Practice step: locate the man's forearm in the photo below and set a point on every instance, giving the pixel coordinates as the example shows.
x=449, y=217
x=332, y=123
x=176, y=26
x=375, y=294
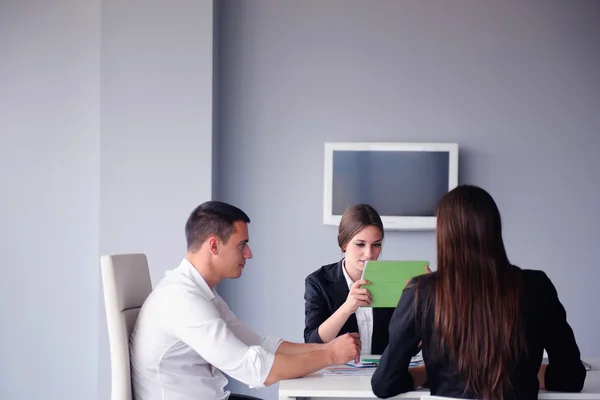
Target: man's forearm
x=288, y=366
x=299, y=348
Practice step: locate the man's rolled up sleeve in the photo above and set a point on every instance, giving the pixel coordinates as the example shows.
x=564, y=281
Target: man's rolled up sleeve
x=271, y=343
x=200, y=326
x=263, y=361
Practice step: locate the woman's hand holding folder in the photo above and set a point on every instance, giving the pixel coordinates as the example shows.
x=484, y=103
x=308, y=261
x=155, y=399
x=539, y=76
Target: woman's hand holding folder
x=358, y=297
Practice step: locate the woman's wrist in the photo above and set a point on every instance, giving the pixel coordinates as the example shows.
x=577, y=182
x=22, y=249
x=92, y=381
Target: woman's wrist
x=346, y=310
x=419, y=375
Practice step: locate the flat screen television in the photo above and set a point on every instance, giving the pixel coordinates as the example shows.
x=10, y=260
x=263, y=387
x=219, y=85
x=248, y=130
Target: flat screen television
x=402, y=181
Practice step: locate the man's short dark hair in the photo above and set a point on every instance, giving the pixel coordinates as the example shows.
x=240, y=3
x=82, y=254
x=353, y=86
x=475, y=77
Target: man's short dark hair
x=212, y=218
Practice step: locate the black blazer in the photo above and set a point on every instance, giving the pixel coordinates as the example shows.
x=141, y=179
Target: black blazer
x=544, y=326
x=325, y=291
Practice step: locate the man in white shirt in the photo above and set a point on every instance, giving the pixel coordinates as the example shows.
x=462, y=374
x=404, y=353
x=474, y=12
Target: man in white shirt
x=186, y=336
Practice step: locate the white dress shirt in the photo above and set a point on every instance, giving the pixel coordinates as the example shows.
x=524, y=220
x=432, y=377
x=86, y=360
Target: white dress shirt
x=186, y=337
x=364, y=319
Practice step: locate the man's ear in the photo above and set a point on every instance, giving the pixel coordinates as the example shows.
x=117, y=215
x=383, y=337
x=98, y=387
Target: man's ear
x=213, y=245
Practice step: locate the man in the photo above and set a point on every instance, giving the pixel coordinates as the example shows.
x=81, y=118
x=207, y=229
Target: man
x=186, y=336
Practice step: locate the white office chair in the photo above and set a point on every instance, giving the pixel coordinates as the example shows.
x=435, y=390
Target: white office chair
x=126, y=284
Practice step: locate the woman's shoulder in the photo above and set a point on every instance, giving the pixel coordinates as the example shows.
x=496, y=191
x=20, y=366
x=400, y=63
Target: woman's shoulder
x=424, y=281
x=536, y=280
x=422, y=285
x=326, y=272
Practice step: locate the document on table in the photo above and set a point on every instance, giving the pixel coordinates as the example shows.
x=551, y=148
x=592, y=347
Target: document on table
x=363, y=368
x=347, y=370
x=370, y=359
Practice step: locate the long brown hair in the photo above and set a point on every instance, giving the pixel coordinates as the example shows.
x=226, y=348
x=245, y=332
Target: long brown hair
x=477, y=319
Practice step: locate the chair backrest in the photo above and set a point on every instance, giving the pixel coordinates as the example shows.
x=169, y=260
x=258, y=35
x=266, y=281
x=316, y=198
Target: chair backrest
x=126, y=285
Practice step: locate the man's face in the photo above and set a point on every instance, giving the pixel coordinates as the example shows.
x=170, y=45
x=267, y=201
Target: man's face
x=235, y=252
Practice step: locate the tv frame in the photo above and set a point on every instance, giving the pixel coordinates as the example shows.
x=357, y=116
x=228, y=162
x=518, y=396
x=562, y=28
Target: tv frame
x=389, y=222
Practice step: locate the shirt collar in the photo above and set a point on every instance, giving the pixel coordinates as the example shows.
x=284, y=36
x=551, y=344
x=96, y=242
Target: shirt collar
x=192, y=273
x=349, y=280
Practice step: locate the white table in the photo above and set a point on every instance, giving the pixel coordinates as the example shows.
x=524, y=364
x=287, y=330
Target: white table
x=318, y=386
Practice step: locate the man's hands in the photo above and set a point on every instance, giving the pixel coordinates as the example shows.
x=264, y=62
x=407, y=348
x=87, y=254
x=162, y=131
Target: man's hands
x=344, y=348
x=306, y=359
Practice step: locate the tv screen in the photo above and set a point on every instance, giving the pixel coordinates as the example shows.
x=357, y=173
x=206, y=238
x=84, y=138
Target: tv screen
x=403, y=181
x=395, y=183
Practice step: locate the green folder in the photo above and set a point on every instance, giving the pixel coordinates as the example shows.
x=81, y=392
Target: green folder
x=370, y=358
x=387, y=279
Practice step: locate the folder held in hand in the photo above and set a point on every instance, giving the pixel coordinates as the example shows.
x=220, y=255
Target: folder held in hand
x=387, y=280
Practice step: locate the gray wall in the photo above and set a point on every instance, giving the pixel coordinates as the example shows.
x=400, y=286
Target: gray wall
x=49, y=203
x=106, y=146
x=515, y=83
x=156, y=145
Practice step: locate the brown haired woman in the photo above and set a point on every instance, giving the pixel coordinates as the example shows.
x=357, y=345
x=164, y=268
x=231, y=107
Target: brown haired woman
x=484, y=323
x=333, y=294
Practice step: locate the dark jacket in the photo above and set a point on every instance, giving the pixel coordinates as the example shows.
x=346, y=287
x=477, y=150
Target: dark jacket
x=544, y=326
x=325, y=291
